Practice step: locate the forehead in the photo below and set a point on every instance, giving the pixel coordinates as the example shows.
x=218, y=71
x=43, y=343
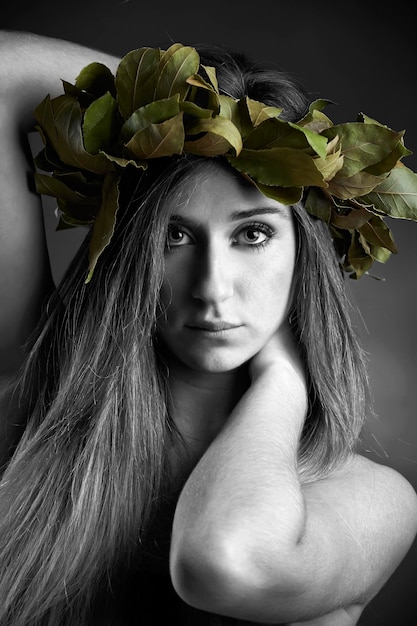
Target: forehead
x=213, y=188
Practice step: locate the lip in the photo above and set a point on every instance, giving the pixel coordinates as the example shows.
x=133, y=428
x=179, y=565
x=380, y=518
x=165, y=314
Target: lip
x=212, y=327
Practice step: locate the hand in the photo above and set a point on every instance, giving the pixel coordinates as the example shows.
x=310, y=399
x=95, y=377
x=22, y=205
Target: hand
x=280, y=359
x=280, y=348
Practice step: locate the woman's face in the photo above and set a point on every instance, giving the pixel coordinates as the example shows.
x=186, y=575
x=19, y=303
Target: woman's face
x=229, y=264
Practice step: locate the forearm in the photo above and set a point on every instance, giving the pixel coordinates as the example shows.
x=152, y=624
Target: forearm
x=249, y=541
x=243, y=504
x=254, y=455
x=34, y=65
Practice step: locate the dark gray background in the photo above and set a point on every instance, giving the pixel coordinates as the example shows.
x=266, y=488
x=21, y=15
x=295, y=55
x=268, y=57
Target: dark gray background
x=361, y=57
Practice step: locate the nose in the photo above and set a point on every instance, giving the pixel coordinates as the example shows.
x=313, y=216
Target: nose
x=213, y=278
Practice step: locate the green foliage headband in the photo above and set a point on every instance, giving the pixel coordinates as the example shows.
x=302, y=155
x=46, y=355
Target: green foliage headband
x=164, y=103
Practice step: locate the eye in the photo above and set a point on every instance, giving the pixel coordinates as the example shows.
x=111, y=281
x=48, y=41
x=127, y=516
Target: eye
x=177, y=236
x=253, y=235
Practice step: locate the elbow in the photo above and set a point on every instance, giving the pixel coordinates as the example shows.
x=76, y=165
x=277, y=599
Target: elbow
x=232, y=577
x=212, y=574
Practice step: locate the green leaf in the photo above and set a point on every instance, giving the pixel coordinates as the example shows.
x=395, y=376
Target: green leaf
x=209, y=145
x=77, y=181
x=153, y=113
x=355, y=218
x=47, y=159
x=51, y=186
x=211, y=75
x=341, y=240
x=99, y=126
x=229, y=108
x=390, y=161
x=193, y=110
x=317, y=142
x=332, y=163
x=276, y=133
x=203, y=95
x=177, y=64
x=396, y=196
x=158, y=140
x=377, y=233
x=196, y=80
x=105, y=221
x=61, y=121
x=318, y=204
x=316, y=120
x=136, y=79
x=360, y=184
x=84, y=98
x=259, y=112
x=380, y=254
x=123, y=162
x=284, y=195
x=225, y=132
x=280, y=167
x=363, y=145
x=358, y=260
x=76, y=214
x=77, y=209
x=96, y=79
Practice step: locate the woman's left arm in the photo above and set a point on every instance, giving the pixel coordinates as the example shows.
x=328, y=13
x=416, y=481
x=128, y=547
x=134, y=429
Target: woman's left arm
x=250, y=541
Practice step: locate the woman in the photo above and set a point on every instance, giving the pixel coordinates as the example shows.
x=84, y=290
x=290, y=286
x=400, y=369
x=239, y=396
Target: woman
x=179, y=433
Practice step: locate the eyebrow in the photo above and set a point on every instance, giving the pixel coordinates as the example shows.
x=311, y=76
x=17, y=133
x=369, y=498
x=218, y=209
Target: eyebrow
x=241, y=215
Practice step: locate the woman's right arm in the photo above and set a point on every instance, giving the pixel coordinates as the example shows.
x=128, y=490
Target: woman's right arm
x=31, y=66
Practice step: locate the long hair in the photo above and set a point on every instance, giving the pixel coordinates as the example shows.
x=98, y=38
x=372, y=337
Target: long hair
x=335, y=361
x=80, y=493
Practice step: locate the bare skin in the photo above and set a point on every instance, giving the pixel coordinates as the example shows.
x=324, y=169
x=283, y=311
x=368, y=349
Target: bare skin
x=249, y=540
x=32, y=67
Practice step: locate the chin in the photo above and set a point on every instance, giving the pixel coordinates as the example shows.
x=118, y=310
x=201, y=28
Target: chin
x=200, y=358
x=215, y=364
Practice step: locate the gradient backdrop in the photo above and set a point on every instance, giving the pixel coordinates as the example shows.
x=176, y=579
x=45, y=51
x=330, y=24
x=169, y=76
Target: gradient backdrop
x=359, y=56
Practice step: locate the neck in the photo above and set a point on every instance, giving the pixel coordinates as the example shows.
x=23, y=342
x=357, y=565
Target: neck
x=200, y=404
x=203, y=399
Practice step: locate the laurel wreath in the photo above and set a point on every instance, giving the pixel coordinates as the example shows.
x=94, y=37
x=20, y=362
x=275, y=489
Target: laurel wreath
x=164, y=103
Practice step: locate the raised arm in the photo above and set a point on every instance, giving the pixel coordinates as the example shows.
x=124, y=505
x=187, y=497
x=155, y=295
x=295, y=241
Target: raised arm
x=250, y=541
x=31, y=66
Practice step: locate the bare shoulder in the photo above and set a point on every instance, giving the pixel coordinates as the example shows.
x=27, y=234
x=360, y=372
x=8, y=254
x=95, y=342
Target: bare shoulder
x=377, y=503
x=388, y=488
x=371, y=511
x=361, y=476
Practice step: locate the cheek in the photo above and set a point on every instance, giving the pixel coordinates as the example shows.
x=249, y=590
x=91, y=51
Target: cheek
x=178, y=277
x=165, y=295
x=274, y=275
x=269, y=296
x=172, y=295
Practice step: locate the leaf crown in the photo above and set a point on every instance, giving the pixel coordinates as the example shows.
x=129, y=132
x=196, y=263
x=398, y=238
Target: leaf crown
x=164, y=103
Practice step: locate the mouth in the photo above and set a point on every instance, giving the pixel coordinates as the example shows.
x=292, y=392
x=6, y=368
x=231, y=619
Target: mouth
x=212, y=327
